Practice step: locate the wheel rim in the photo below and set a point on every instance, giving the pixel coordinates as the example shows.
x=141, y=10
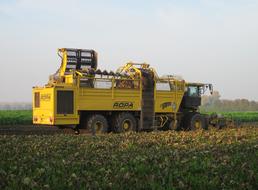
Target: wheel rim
x=127, y=125
x=98, y=127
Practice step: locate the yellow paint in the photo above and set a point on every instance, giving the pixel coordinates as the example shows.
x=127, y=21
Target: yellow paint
x=92, y=99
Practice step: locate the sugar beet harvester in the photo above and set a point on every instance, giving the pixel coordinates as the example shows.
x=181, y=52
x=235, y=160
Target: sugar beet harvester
x=134, y=98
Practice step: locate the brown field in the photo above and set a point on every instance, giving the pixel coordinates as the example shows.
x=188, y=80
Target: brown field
x=52, y=130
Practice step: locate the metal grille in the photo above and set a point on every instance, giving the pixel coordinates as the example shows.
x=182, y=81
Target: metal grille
x=64, y=102
x=36, y=99
x=81, y=59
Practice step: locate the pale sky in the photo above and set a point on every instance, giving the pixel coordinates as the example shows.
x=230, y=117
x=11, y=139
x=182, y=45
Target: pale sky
x=210, y=41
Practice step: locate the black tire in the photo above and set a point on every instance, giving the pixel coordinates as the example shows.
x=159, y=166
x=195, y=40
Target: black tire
x=195, y=121
x=125, y=122
x=97, y=124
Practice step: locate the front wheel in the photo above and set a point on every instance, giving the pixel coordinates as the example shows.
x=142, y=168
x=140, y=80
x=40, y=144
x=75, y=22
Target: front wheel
x=196, y=121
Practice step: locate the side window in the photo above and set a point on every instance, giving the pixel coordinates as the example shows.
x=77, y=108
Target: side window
x=104, y=84
x=179, y=86
x=163, y=86
x=88, y=83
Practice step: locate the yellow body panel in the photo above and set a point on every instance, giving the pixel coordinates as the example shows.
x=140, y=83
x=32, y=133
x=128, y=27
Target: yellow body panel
x=106, y=99
x=93, y=99
x=69, y=79
x=44, y=112
x=168, y=101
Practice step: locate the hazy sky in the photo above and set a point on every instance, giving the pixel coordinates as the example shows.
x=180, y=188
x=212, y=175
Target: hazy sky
x=211, y=41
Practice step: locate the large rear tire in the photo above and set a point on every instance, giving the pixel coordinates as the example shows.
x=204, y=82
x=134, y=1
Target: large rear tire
x=125, y=122
x=97, y=124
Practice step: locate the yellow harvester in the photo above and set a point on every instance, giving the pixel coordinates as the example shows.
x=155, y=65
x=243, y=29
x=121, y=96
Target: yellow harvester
x=133, y=98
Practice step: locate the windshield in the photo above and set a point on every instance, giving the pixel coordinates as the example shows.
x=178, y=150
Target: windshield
x=193, y=91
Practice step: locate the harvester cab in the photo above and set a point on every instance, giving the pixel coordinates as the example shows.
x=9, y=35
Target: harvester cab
x=193, y=94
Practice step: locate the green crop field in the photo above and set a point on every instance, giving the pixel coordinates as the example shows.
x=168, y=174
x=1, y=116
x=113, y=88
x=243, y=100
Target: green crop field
x=14, y=117
x=239, y=116
x=214, y=159
x=242, y=116
x=24, y=117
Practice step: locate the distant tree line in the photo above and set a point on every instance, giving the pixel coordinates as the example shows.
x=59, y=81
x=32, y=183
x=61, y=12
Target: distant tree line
x=213, y=103
x=15, y=106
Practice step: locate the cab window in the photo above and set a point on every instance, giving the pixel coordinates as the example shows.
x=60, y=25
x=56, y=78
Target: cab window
x=193, y=91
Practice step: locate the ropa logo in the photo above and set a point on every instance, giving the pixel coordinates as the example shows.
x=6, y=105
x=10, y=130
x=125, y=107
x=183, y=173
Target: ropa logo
x=45, y=97
x=123, y=105
x=165, y=105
